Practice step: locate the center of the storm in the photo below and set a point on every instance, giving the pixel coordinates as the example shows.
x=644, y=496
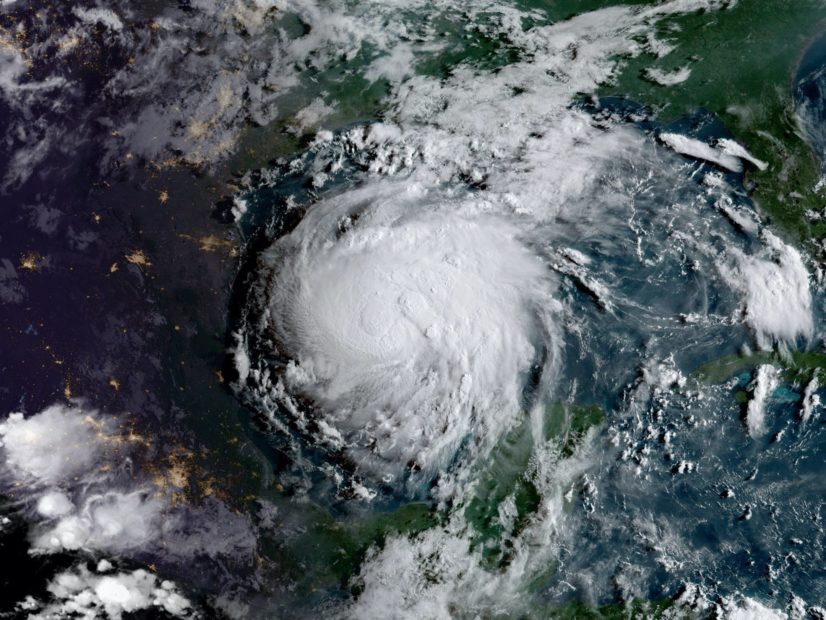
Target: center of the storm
x=409, y=329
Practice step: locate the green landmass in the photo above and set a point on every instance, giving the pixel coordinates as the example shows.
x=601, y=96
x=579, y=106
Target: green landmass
x=329, y=551
x=743, y=60
x=797, y=366
x=634, y=610
x=508, y=473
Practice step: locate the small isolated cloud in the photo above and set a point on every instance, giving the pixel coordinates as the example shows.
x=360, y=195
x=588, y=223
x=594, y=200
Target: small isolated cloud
x=312, y=116
x=54, y=504
x=762, y=386
x=668, y=78
x=44, y=218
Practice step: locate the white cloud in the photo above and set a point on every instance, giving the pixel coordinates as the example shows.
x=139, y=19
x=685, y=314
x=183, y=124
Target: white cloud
x=219, y=69
x=698, y=602
x=80, y=593
x=55, y=445
x=666, y=78
x=811, y=400
x=54, y=504
x=700, y=150
x=70, y=460
x=393, y=67
x=726, y=153
x=764, y=383
x=104, y=17
x=312, y=115
x=419, y=363
x=411, y=314
x=730, y=147
x=112, y=521
x=775, y=284
x=749, y=609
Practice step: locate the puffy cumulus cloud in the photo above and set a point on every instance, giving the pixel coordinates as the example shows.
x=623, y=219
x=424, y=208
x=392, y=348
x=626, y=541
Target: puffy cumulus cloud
x=749, y=609
x=80, y=593
x=80, y=474
x=697, y=601
x=112, y=521
x=67, y=457
x=761, y=387
x=141, y=523
x=776, y=288
x=54, y=504
x=53, y=446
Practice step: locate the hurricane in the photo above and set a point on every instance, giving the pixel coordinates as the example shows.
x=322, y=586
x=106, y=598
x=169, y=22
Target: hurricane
x=411, y=324
x=497, y=309
x=431, y=298
x=381, y=313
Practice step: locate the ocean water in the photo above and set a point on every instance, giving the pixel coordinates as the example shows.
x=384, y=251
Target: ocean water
x=413, y=310
x=588, y=354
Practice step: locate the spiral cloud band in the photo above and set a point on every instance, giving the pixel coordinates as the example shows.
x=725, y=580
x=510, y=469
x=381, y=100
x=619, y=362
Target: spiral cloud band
x=453, y=253
x=410, y=325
